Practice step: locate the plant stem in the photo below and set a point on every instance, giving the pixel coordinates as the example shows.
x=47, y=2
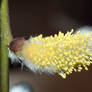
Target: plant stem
x=6, y=37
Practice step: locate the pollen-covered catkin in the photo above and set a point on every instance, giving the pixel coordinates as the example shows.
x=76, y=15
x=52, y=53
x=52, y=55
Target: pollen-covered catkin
x=60, y=53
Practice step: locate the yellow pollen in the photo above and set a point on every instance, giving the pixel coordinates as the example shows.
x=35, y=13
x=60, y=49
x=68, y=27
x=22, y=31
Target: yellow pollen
x=66, y=53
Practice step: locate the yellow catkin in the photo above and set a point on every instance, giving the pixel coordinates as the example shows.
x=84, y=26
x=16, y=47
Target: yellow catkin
x=66, y=53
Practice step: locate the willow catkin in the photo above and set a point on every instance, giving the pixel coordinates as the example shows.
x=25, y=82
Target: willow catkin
x=60, y=53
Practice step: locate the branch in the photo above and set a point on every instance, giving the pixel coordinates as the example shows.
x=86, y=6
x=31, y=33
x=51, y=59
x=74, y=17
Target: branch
x=6, y=37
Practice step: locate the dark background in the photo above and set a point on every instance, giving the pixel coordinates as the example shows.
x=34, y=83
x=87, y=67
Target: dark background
x=34, y=17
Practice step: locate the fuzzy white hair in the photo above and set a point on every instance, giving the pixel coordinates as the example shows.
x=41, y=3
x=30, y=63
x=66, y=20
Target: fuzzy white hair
x=29, y=64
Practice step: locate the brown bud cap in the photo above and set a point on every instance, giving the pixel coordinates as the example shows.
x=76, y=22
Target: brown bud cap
x=16, y=44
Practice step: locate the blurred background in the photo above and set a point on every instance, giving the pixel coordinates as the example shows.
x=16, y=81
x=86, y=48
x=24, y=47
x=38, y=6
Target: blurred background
x=47, y=17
